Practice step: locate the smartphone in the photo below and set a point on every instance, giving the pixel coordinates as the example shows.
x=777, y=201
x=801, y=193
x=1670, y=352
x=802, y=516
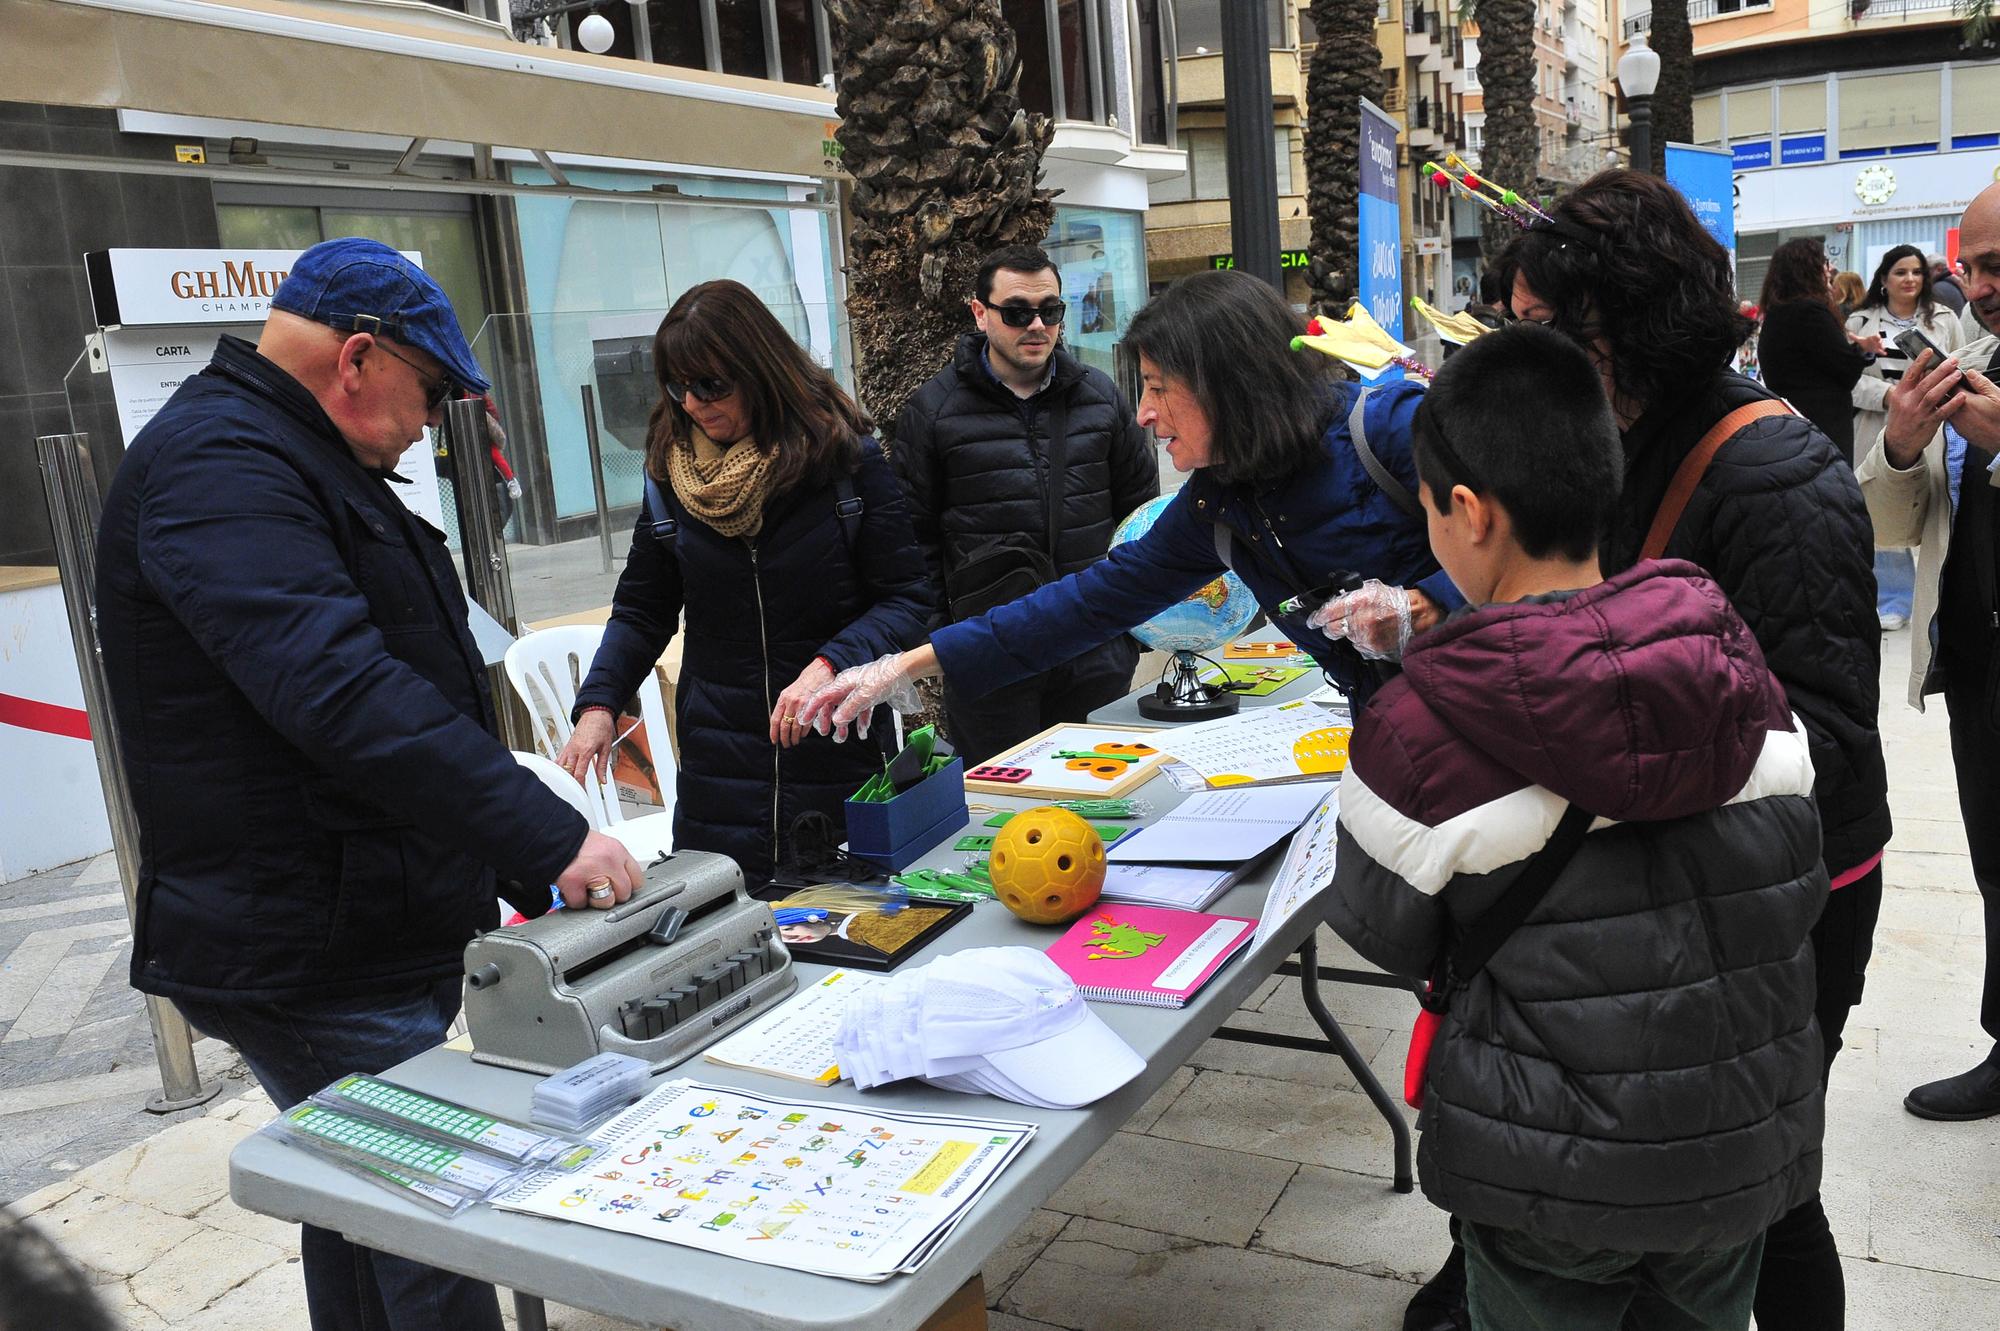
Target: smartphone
x=1912, y=343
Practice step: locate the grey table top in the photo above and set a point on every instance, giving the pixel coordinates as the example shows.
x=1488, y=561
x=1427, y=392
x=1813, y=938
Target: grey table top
x=1125, y=712
x=658, y=1284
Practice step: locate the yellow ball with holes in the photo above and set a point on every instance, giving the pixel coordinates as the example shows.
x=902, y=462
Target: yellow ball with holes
x=1047, y=865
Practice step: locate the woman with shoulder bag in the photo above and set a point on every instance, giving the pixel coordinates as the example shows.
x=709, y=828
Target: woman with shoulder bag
x=1321, y=524
x=773, y=524
x=1772, y=511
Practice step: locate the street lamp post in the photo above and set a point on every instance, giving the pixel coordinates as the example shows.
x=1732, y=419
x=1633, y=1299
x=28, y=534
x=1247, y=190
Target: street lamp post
x=1638, y=76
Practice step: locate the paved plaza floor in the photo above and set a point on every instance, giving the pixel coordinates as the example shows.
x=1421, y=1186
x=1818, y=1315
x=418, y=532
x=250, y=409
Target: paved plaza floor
x=1251, y=1192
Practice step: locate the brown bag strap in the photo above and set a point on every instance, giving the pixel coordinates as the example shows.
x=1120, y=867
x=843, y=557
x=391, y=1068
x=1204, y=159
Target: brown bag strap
x=1695, y=465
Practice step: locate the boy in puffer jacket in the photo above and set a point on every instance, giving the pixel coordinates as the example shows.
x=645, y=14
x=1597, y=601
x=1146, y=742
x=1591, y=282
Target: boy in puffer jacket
x=1623, y=1098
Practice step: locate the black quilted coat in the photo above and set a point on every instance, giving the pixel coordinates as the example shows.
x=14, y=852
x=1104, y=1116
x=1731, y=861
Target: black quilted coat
x=1779, y=524
x=973, y=459
x=1637, y=1067
x=758, y=611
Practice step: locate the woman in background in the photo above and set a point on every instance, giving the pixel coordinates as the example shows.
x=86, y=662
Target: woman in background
x=1897, y=300
x=1848, y=289
x=1806, y=357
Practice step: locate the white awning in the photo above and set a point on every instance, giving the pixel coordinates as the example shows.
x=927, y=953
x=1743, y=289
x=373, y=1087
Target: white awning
x=287, y=62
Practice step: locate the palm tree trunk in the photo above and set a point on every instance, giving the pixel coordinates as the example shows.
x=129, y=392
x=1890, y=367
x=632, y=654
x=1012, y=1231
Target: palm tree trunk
x=1345, y=67
x=946, y=168
x=1673, y=100
x=1512, y=151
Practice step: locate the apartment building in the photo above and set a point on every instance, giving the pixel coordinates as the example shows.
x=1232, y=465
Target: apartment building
x=1868, y=124
x=1188, y=227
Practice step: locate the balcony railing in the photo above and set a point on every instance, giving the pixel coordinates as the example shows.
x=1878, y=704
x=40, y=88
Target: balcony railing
x=1701, y=9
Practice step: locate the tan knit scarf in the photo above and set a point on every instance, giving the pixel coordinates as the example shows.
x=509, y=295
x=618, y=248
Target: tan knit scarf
x=724, y=487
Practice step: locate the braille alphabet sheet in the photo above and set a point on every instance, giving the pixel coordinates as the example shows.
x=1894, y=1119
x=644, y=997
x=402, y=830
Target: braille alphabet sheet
x=838, y=1190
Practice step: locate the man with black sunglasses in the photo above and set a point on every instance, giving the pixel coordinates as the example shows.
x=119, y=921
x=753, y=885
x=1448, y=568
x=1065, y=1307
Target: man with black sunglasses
x=1019, y=462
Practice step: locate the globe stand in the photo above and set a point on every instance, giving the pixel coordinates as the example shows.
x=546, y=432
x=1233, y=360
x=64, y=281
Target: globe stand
x=1181, y=695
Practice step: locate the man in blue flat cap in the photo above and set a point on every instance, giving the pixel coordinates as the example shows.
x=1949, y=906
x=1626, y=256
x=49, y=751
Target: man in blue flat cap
x=322, y=803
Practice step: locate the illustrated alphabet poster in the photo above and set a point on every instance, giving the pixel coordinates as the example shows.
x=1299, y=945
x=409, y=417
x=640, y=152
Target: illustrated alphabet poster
x=840, y=1190
x=1078, y=761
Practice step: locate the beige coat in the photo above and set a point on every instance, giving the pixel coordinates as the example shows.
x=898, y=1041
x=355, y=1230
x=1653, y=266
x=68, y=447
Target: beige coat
x=1914, y=508
x=1871, y=390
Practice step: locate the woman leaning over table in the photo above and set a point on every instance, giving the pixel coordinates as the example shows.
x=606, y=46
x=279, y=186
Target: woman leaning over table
x=773, y=523
x=1276, y=487
x=1897, y=300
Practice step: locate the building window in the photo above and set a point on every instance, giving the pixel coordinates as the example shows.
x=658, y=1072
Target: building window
x=1975, y=92
x=798, y=42
x=1748, y=112
x=1207, y=175
x=1149, y=52
x=1708, y=119
x=1101, y=253
x=1199, y=24
x=1886, y=112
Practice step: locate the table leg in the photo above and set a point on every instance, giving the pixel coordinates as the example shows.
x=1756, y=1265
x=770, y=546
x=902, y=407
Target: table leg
x=530, y=1314
x=963, y=1311
x=1364, y=1076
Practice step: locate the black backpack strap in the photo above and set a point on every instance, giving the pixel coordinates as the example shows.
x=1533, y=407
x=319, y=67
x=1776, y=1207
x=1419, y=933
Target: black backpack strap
x=1357, y=430
x=663, y=524
x=1498, y=922
x=1058, y=458
x=847, y=509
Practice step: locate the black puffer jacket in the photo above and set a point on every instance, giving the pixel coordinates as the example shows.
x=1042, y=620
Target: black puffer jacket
x=1778, y=522
x=758, y=611
x=1637, y=1067
x=973, y=459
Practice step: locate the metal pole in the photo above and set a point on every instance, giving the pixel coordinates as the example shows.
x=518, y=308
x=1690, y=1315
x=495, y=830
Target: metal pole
x=1642, y=134
x=597, y=475
x=1253, y=158
x=483, y=546
x=71, y=489
x=642, y=31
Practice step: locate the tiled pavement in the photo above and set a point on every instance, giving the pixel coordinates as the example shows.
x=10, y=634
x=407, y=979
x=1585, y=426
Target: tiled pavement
x=1251, y=1192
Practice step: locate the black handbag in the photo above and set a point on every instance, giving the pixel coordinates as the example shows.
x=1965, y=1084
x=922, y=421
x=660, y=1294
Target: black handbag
x=997, y=569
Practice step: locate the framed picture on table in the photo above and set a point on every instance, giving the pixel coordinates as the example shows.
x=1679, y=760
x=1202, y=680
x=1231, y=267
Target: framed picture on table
x=1075, y=761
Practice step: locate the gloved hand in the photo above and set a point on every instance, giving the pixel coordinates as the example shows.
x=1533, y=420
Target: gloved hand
x=1375, y=617
x=854, y=694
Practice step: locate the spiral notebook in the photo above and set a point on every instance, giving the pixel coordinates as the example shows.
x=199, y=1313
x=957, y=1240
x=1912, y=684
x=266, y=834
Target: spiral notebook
x=1142, y=954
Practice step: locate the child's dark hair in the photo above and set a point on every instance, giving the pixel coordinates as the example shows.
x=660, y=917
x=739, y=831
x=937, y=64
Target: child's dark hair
x=1519, y=416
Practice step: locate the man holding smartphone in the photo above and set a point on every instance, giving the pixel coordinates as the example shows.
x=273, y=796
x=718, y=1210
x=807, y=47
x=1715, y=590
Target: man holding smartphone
x=1933, y=479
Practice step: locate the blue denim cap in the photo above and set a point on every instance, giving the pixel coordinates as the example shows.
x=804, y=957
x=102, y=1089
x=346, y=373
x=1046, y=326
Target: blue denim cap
x=363, y=286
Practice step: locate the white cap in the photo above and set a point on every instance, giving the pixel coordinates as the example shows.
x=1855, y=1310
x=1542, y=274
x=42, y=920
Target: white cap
x=1001, y=1020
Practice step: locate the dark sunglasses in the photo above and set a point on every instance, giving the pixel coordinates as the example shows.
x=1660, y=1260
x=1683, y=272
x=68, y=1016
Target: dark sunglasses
x=437, y=391
x=1023, y=316
x=704, y=390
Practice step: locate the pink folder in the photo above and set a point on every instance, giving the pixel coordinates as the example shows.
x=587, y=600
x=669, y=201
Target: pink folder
x=1144, y=954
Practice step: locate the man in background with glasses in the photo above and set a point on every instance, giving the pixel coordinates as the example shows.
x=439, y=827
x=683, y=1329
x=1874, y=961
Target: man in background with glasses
x=1019, y=461
x=305, y=722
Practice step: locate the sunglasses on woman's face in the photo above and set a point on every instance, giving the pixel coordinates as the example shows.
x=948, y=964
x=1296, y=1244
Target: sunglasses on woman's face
x=1023, y=316
x=704, y=390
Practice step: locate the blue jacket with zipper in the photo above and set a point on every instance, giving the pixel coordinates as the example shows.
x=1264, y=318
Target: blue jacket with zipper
x=1306, y=531
x=302, y=710
x=758, y=611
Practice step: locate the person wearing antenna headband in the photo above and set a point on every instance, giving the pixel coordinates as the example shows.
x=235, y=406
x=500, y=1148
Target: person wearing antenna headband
x=1281, y=489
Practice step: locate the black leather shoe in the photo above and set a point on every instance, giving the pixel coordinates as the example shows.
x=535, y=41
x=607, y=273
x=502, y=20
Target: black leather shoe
x=1440, y=1304
x=1969, y=1095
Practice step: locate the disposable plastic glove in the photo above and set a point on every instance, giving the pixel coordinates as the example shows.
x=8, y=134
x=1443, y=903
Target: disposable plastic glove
x=1375, y=617
x=855, y=693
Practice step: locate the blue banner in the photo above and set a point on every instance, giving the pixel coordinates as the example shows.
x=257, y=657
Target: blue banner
x=1706, y=178
x=1749, y=155
x=1380, y=288
x=1802, y=148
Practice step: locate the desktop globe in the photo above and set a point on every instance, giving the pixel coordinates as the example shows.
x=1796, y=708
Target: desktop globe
x=1212, y=616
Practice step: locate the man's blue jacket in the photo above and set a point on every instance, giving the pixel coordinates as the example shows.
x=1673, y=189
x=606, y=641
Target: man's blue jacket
x=1306, y=531
x=302, y=710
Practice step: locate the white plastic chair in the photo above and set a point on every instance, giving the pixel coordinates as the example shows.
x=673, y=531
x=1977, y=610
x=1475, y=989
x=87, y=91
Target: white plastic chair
x=561, y=782
x=545, y=669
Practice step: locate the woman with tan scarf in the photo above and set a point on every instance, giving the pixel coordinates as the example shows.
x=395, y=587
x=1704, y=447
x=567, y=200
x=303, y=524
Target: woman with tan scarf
x=773, y=524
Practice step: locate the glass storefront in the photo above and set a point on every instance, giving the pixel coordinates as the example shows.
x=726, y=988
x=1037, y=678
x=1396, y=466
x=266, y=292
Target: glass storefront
x=1102, y=255
x=600, y=274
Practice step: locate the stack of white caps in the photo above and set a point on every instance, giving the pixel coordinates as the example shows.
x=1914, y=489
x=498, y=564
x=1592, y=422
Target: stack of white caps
x=1001, y=1021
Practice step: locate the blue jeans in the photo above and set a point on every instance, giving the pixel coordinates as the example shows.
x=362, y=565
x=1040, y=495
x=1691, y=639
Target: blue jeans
x=1895, y=582
x=296, y=1048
